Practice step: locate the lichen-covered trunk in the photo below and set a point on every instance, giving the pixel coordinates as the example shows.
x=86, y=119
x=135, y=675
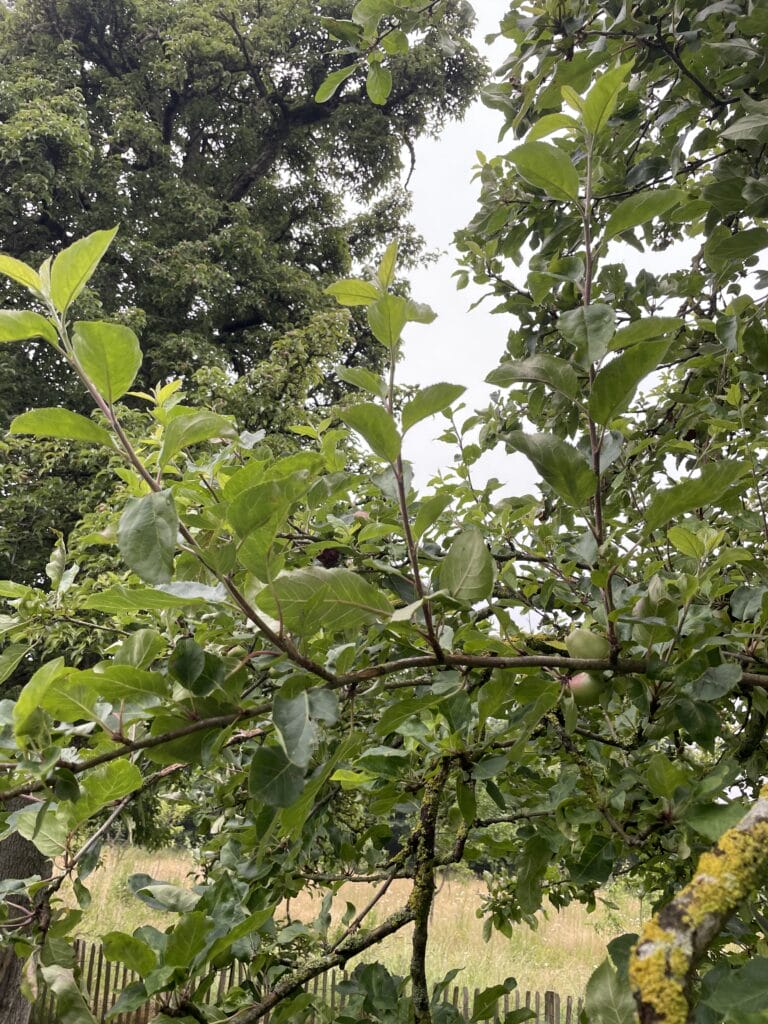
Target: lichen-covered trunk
x=18, y=859
x=673, y=943
x=423, y=892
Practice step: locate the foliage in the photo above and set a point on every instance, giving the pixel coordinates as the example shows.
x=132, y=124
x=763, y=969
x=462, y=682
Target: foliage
x=194, y=126
x=341, y=666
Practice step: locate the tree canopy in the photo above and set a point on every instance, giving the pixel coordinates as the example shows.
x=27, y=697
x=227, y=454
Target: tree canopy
x=195, y=126
x=366, y=683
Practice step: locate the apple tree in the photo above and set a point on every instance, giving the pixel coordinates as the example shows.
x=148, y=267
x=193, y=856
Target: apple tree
x=363, y=683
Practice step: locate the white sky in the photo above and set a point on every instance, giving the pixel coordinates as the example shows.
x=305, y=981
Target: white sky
x=463, y=346
x=460, y=347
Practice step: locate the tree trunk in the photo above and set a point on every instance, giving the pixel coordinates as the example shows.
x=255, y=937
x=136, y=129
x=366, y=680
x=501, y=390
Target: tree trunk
x=18, y=859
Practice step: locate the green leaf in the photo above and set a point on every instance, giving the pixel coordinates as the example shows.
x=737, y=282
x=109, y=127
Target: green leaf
x=753, y=127
x=486, y=1001
x=419, y=312
x=61, y=423
x=385, y=272
x=699, y=720
x=543, y=368
x=71, y=1007
x=639, y=209
x=387, y=317
x=609, y=998
x=21, y=274
x=647, y=329
x=714, y=683
x=192, y=428
x=428, y=401
x=616, y=383
x=706, y=489
x=31, y=696
x=561, y=466
x=711, y=820
x=429, y=512
x=69, y=700
x=376, y=426
x=332, y=82
x=550, y=123
x=102, y=786
x=745, y=988
x=395, y=41
x=126, y=684
x=10, y=658
x=146, y=536
x=738, y=246
x=686, y=542
x=187, y=662
x=340, y=28
x=134, y=953
x=296, y=730
x=404, y=709
x=72, y=268
x=596, y=862
x=187, y=939
x=110, y=356
x=21, y=325
x=536, y=858
x=272, y=778
x=362, y=378
x=124, y=601
x=131, y=998
x=42, y=828
x=378, y=84
x=163, y=895
x=329, y=599
x=663, y=776
x=548, y=168
x=353, y=292
x=467, y=571
x=589, y=329
x=601, y=100
x=258, y=506
x=140, y=648
x=240, y=931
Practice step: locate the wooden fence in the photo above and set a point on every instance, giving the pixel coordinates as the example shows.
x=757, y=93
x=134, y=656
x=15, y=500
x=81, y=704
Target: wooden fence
x=104, y=981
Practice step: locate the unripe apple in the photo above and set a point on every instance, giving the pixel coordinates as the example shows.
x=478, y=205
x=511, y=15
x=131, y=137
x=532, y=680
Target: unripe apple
x=585, y=688
x=581, y=643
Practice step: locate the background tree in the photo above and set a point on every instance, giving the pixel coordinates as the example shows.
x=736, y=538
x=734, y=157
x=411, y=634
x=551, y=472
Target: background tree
x=194, y=125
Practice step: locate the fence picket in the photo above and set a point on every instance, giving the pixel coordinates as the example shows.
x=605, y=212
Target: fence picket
x=104, y=982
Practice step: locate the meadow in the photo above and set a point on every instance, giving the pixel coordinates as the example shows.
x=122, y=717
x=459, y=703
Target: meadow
x=560, y=954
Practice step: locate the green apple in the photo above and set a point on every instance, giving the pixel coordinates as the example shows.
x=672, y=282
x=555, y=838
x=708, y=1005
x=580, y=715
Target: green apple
x=582, y=643
x=586, y=688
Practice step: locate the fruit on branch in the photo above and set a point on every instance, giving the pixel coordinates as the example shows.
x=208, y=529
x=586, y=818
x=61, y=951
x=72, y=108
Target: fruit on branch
x=582, y=643
x=586, y=688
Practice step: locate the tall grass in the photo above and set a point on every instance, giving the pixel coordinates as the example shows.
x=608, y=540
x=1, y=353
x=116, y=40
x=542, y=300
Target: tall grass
x=559, y=955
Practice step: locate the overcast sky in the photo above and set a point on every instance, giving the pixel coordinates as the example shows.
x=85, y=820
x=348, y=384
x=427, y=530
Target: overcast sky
x=460, y=347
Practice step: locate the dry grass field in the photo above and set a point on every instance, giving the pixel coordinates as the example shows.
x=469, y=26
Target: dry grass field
x=559, y=955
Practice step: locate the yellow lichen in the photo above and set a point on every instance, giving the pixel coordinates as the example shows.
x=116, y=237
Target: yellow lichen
x=726, y=875
x=663, y=957
x=652, y=983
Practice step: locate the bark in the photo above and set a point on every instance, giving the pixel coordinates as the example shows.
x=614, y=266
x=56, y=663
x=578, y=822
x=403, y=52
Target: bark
x=674, y=942
x=18, y=859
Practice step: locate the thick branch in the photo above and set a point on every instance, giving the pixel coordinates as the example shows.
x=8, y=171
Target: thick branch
x=674, y=941
x=423, y=892
x=298, y=978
